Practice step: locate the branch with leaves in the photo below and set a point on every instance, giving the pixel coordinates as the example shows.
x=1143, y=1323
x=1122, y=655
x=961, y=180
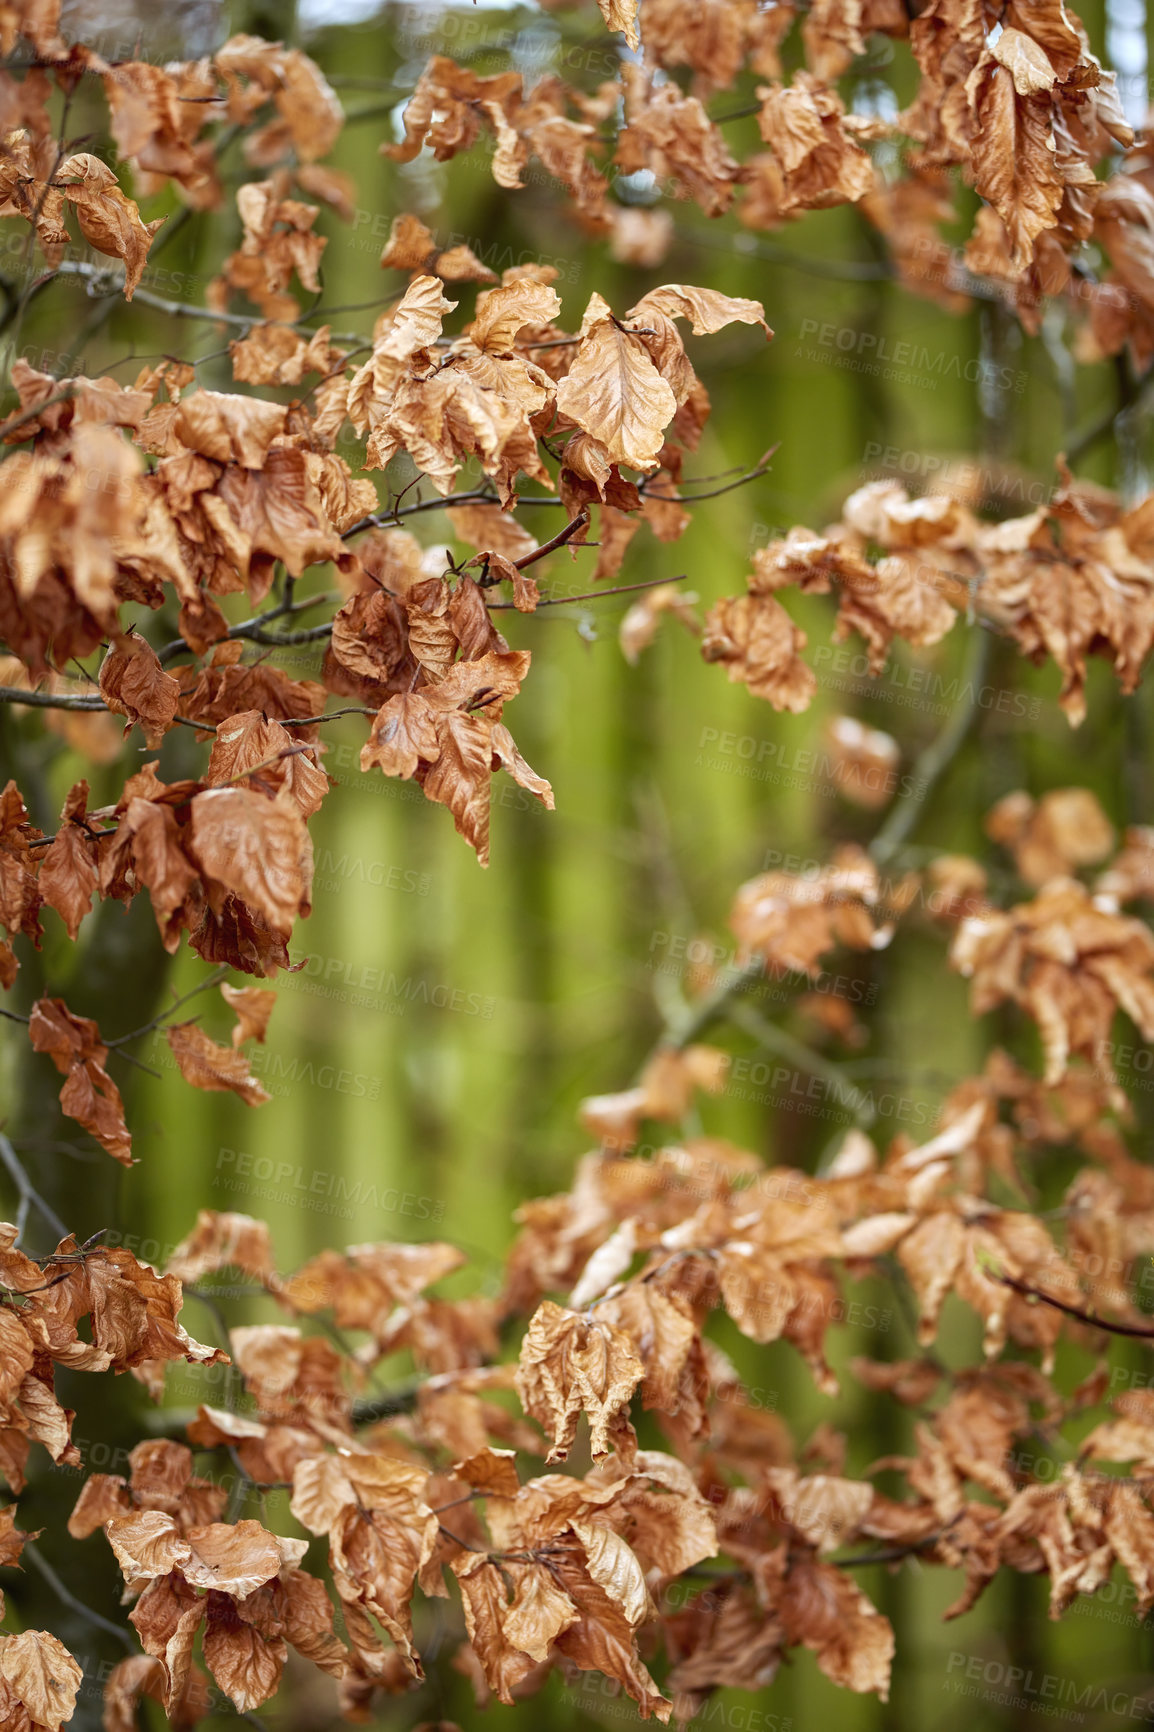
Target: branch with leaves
x=163, y=498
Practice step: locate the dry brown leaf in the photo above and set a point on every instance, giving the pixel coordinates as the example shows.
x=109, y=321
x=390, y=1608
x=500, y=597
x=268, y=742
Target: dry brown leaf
x=42, y=1675
x=824, y=1608
x=614, y=392
x=206, y=1065
x=572, y=1364
x=761, y=647
x=69, y=872
x=253, y=1006
x=109, y=221
x=133, y=683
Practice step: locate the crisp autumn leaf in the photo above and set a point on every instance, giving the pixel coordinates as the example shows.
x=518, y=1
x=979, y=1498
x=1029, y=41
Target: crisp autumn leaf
x=224, y=1241
x=815, y=162
x=69, y=872
x=246, y=1663
x=41, y=1675
x=760, y=646
x=12, y=1538
x=1052, y=837
x=502, y=313
x=602, y=1639
x=252, y=747
x=257, y=848
x=572, y=1364
x=103, y=1498
x=672, y=136
x=1068, y=963
x=1013, y=145
x=20, y=896
x=621, y=15
x=450, y=737
x=89, y=1094
x=614, y=392
x=237, y=1558
x=133, y=683
x=707, y=310
x=147, y=1545
x=825, y=1609
x=364, y=1286
x=793, y=920
x=130, y=1679
x=207, y=1065
x=109, y=221
x=484, y=1597
x=253, y=1006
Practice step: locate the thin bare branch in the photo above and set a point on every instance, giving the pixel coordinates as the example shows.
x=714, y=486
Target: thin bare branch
x=28, y=1192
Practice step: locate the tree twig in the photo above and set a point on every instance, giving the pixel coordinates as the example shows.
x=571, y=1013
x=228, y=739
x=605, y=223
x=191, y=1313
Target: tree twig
x=775, y=1039
x=28, y=1192
x=933, y=763
x=65, y=1594
x=930, y=767
x=590, y=595
x=1134, y=1330
x=97, y=276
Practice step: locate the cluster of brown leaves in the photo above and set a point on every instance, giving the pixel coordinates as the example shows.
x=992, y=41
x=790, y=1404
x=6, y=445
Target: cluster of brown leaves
x=1072, y=579
x=564, y=1571
x=618, y=1280
x=1016, y=102
x=157, y=116
x=226, y=859
x=130, y=1318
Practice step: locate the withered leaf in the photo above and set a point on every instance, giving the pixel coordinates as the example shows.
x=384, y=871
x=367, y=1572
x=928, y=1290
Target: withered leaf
x=572, y=1364
x=614, y=392
x=276, y=759
x=207, y=1065
x=69, y=872
x=246, y=1664
x=89, y=1094
x=109, y=220
x=133, y=683
x=760, y=646
x=223, y=1240
x=824, y=1608
x=483, y=1596
x=42, y=1675
x=256, y=847
x=253, y=1006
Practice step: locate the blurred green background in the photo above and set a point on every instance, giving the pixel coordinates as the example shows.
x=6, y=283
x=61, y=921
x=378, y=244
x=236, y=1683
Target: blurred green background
x=426, y=1063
